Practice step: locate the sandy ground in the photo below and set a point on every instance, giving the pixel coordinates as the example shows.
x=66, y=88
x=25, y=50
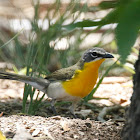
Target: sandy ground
x=113, y=94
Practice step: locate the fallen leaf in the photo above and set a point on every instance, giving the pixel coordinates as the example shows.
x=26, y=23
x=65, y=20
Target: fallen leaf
x=122, y=101
x=2, y=137
x=1, y=114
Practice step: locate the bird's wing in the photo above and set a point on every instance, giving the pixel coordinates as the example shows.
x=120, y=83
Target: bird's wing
x=63, y=74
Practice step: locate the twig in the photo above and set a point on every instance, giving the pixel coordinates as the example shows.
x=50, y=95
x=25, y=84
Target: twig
x=106, y=110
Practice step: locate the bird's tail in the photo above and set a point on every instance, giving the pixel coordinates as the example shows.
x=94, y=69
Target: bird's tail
x=38, y=83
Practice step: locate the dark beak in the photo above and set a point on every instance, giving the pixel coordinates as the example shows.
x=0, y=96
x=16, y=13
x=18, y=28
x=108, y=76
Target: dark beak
x=108, y=55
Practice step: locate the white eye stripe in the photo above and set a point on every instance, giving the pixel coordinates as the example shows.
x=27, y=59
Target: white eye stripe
x=92, y=55
x=97, y=59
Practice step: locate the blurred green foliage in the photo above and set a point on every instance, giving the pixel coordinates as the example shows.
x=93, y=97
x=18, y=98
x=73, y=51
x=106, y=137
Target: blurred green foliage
x=126, y=14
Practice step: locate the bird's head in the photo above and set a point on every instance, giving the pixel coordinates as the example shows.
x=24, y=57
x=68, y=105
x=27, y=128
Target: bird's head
x=95, y=54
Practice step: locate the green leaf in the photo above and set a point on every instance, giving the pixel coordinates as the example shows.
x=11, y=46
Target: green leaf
x=108, y=4
x=111, y=17
x=113, y=4
x=16, y=35
x=127, y=29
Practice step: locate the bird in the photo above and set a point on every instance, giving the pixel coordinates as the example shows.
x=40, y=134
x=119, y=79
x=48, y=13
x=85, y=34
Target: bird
x=68, y=84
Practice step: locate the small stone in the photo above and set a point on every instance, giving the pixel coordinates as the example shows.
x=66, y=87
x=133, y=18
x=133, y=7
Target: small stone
x=88, y=125
x=65, y=125
x=35, y=133
x=75, y=137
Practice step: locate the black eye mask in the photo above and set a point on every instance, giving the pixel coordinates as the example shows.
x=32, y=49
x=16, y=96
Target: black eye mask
x=92, y=54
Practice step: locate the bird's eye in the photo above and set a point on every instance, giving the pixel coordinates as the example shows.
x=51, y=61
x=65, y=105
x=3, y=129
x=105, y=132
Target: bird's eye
x=94, y=53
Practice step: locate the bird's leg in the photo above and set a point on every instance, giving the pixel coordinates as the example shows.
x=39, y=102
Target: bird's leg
x=72, y=109
x=53, y=106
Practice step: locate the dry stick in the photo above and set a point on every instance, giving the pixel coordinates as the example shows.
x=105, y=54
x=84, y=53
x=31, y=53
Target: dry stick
x=106, y=110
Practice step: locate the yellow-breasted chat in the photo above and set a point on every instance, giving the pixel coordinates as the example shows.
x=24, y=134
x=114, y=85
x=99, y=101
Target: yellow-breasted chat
x=68, y=84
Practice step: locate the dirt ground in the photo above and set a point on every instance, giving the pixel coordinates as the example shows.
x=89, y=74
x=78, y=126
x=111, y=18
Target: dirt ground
x=101, y=119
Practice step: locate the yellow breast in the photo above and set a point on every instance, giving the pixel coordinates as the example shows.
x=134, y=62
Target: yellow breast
x=83, y=80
